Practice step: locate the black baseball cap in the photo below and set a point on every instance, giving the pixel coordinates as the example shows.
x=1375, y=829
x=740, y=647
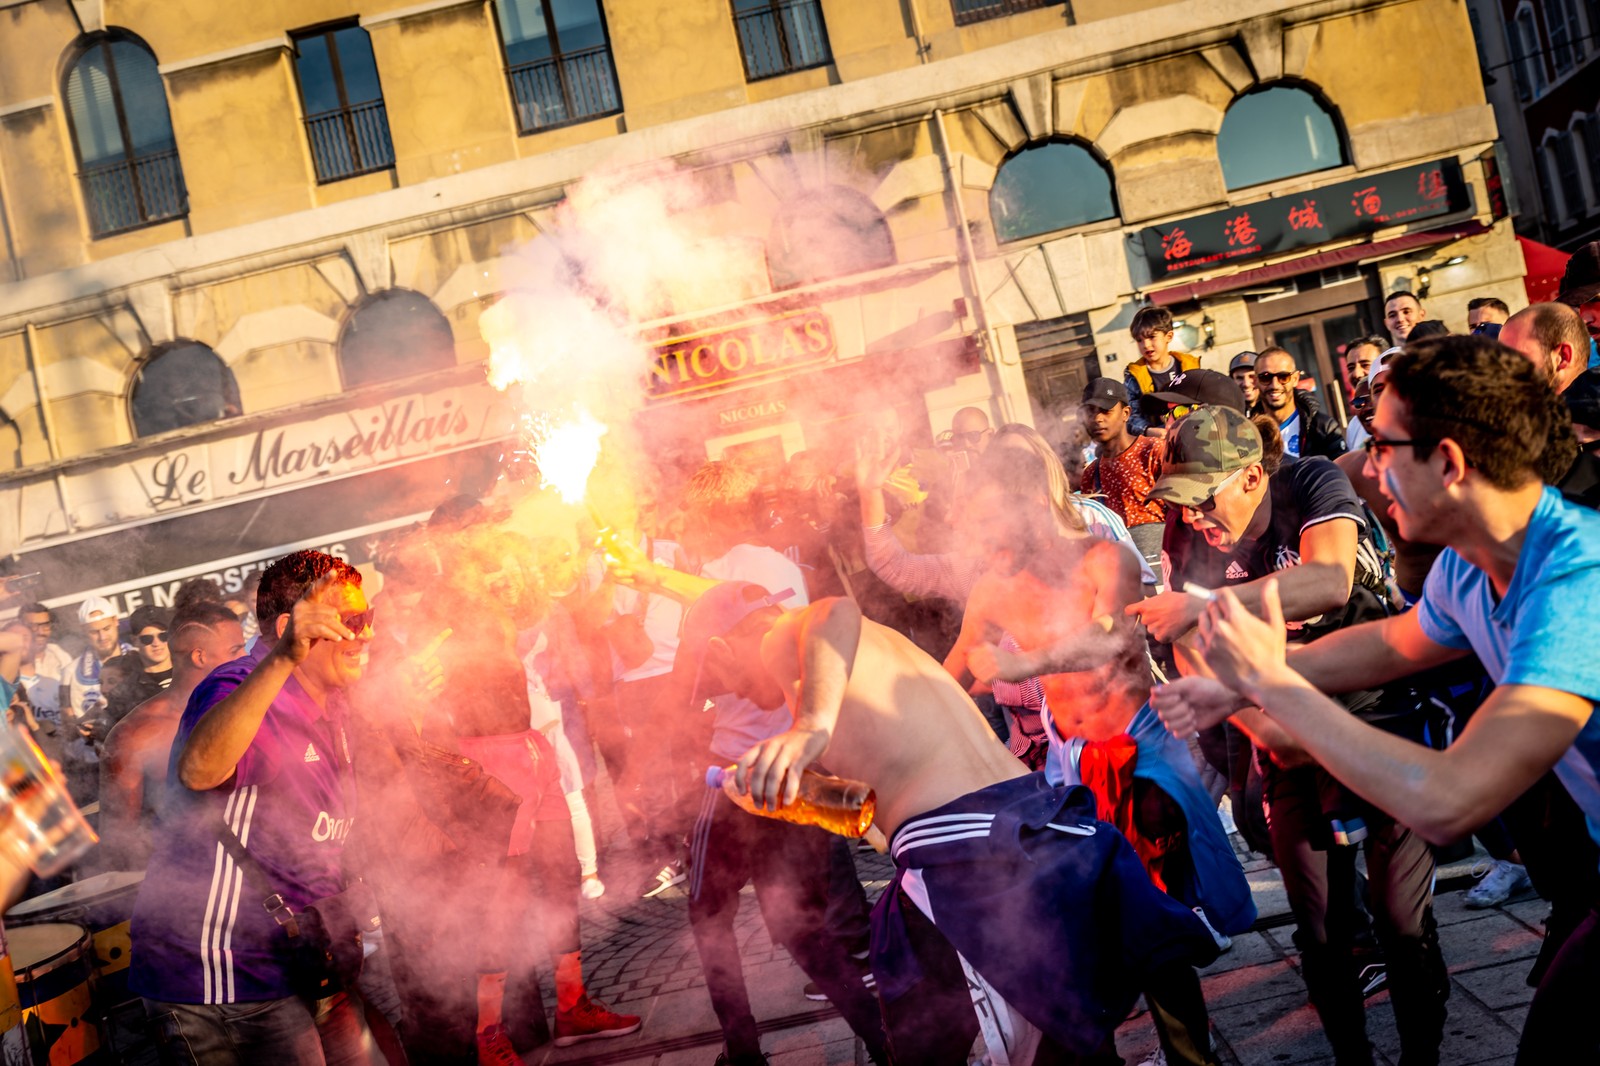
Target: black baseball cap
x=1242, y=361
x=1104, y=393
x=1581, y=281
x=1203, y=387
x=1583, y=399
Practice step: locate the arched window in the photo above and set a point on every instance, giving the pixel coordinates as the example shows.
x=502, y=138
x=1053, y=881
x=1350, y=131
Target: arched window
x=122, y=134
x=182, y=384
x=396, y=333
x=1277, y=132
x=1051, y=186
x=827, y=233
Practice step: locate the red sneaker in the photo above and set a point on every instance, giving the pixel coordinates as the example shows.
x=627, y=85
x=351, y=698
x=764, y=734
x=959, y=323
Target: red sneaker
x=494, y=1048
x=589, y=1020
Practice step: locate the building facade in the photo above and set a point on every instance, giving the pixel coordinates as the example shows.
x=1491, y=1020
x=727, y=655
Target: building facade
x=247, y=247
x=1542, y=64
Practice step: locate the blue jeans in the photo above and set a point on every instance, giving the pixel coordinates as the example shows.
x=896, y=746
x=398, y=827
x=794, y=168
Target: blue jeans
x=291, y=1032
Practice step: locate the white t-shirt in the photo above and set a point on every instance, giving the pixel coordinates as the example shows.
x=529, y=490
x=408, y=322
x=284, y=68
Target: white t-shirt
x=50, y=670
x=1291, y=435
x=663, y=617
x=1354, y=434
x=740, y=724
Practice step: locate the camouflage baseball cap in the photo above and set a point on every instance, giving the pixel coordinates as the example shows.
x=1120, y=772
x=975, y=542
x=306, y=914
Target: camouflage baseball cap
x=1202, y=451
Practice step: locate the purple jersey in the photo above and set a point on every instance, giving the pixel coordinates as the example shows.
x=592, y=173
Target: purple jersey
x=202, y=933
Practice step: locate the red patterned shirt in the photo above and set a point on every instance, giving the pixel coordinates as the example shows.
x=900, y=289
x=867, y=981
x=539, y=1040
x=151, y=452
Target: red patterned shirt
x=1124, y=479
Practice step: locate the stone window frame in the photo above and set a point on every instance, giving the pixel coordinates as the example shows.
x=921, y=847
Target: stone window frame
x=350, y=381
x=785, y=280
x=1114, y=219
x=233, y=405
x=1341, y=131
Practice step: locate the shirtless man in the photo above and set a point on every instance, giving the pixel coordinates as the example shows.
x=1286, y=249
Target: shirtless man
x=1067, y=946
x=133, y=764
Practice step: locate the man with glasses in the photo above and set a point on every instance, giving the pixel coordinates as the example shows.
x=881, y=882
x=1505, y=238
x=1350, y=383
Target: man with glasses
x=147, y=670
x=1244, y=517
x=46, y=666
x=1305, y=429
x=260, y=756
x=1460, y=441
x=970, y=430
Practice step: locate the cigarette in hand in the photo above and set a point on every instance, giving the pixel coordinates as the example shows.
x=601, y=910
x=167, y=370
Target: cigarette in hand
x=1200, y=591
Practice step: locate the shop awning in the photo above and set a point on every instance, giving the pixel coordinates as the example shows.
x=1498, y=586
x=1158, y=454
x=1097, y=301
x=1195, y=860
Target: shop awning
x=144, y=564
x=1545, y=267
x=1305, y=264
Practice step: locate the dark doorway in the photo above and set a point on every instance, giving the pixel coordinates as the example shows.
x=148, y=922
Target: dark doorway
x=1315, y=323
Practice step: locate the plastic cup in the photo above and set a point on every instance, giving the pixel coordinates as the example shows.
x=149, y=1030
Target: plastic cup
x=44, y=828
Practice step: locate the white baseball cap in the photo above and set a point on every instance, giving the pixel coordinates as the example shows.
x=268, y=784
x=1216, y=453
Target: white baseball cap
x=96, y=608
x=1380, y=365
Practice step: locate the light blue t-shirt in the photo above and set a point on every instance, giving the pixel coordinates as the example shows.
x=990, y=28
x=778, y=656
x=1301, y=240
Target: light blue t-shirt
x=1538, y=634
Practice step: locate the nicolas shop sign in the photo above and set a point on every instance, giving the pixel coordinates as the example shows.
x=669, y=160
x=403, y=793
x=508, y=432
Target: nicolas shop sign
x=738, y=353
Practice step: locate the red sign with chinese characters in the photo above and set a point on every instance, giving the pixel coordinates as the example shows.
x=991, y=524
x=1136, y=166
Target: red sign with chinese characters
x=1284, y=223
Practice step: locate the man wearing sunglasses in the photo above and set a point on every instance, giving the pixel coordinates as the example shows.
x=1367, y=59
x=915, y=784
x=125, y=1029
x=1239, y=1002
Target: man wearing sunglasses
x=259, y=758
x=1243, y=516
x=146, y=670
x=1305, y=429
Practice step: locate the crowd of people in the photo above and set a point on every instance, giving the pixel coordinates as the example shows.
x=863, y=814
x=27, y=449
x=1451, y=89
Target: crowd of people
x=368, y=824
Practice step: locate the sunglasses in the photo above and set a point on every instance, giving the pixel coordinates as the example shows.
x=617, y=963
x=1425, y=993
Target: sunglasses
x=357, y=623
x=1209, y=504
x=1278, y=375
x=148, y=639
x=1179, y=410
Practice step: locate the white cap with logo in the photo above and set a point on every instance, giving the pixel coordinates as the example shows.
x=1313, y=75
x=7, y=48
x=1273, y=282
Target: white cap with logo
x=96, y=608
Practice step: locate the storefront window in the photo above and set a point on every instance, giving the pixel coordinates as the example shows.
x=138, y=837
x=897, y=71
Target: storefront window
x=827, y=234
x=394, y=334
x=182, y=384
x=1048, y=187
x=1275, y=133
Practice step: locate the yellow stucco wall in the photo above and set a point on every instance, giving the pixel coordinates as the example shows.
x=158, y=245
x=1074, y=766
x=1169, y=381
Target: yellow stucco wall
x=239, y=128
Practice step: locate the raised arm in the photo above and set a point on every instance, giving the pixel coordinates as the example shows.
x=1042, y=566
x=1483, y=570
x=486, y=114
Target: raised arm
x=949, y=576
x=828, y=635
x=224, y=733
x=1106, y=635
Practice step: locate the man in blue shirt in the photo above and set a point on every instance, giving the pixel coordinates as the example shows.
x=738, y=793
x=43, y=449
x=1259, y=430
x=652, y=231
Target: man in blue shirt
x=261, y=750
x=1462, y=441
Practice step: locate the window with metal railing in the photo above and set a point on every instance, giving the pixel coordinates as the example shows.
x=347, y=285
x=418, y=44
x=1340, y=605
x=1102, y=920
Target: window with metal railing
x=346, y=124
x=558, y=61
x=968, y=11
x=780, y=36
x=122, y=136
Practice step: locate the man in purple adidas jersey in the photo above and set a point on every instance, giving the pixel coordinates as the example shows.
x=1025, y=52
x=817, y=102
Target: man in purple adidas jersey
x=260, y=749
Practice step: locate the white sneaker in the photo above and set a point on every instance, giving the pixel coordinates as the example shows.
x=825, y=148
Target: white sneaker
x=1500, y=881
x=1224, y=941
x=592, y=887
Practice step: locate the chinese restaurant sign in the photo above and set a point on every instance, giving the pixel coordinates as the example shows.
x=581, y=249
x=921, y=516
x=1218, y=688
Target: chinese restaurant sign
x=1283, y=223
x=739, y=353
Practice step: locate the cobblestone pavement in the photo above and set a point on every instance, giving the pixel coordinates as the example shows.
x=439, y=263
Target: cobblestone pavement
x=640, y=958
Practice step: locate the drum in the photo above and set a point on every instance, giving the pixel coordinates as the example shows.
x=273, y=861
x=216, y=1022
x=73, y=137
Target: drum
x=13, y=1045
x=104, y=906
x=55, y=982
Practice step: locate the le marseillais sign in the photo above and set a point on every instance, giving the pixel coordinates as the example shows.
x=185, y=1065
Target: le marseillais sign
x=739, y=353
